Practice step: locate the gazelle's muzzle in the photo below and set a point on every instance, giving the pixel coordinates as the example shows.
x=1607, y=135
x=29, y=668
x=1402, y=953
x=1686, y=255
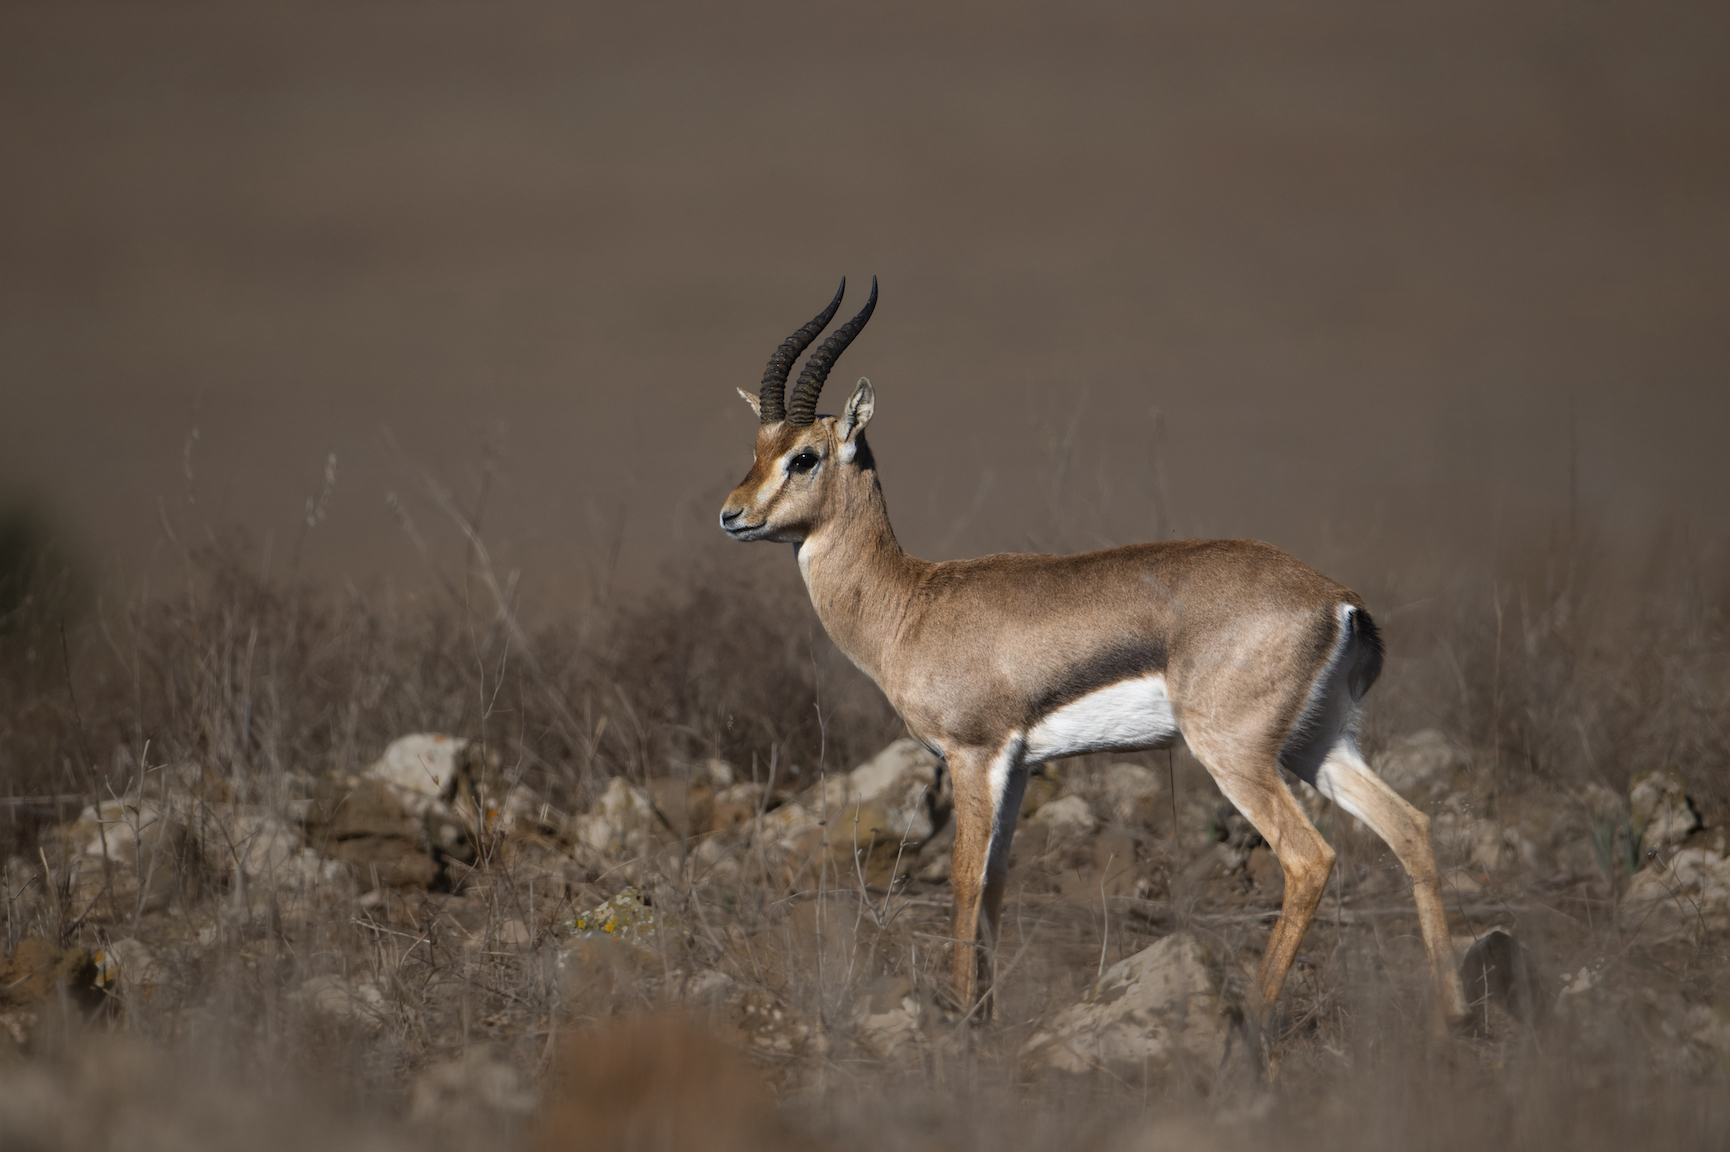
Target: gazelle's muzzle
x=734, y=524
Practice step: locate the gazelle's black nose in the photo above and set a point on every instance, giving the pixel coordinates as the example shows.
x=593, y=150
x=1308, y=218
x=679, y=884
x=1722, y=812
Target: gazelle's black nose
x=728, y=515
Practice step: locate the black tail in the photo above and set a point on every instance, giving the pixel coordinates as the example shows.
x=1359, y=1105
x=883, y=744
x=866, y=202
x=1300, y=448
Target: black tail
x=1368, y=663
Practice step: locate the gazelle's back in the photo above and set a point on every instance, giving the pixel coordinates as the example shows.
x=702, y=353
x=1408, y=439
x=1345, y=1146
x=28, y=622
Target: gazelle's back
x=1178, y=576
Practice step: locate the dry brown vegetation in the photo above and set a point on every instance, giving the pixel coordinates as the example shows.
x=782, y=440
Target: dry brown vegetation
x=271, y=944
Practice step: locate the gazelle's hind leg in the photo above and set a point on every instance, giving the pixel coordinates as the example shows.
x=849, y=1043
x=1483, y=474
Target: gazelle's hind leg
x=1251, y=781
x=1345, y=779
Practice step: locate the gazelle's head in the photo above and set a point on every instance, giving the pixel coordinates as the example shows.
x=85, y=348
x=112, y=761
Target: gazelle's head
x=806, y=465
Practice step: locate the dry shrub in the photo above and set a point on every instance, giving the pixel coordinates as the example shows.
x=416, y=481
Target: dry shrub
x=1550, y=677
x=738, y=668
x=1574, y=667
x=251, y=676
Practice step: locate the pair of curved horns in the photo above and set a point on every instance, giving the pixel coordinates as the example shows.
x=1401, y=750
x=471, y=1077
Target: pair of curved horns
x=773, y=405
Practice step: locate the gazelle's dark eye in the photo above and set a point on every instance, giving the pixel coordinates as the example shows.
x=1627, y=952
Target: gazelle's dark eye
x=803, y=462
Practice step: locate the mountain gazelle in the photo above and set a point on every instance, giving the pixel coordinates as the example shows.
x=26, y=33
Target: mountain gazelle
x=1256, y=660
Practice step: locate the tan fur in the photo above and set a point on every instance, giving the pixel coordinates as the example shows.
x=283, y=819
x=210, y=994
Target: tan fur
x=973, y=653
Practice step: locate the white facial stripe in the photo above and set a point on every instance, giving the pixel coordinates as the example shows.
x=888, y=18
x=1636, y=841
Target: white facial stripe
x=1128, y=715
x=767, y=493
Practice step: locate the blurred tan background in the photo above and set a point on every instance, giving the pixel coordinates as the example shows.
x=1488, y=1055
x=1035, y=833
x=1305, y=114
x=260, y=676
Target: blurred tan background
x=1386, y=285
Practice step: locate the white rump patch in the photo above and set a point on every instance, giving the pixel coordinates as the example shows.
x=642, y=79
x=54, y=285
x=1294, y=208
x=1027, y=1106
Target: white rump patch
x=1329, y=711
x=1121, y=717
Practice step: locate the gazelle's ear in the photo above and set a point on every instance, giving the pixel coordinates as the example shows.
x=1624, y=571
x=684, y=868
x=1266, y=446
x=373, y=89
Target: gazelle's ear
x=860, y=407
x=752, y=401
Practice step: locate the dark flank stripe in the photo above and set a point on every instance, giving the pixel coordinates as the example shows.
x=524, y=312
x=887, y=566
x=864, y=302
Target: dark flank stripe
x=1103, y=666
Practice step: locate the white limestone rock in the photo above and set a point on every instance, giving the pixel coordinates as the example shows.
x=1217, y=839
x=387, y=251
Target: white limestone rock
x=356, y=1004
x=1129, y=793
x=130, y=965
x=1421, y=764
x=889, y=794
x=1686, y=897
x=887, y=1018
x=423, y=764
x=1068, y=819
x=1159, y=1011
x=620, y=823
x=477, y=1090
x=1660, y=811
x=116, y=830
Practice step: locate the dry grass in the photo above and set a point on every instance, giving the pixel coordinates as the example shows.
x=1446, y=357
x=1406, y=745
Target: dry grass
x=235, y=694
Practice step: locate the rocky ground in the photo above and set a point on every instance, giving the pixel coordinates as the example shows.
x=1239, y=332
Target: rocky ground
x=434, y=953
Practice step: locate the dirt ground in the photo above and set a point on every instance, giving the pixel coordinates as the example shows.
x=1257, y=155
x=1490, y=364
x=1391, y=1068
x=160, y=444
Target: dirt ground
x=630, y=901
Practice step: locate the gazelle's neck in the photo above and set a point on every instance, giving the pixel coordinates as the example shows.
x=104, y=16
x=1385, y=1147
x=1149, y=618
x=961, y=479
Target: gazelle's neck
x=859, y=579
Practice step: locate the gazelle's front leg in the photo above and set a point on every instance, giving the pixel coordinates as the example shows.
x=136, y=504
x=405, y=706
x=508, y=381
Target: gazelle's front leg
x=988, y=789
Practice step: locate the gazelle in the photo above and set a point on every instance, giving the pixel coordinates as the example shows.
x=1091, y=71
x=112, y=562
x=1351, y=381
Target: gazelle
x=1001, y=663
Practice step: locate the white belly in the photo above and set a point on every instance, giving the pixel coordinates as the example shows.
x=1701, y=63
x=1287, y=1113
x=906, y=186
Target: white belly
x=1127, y=715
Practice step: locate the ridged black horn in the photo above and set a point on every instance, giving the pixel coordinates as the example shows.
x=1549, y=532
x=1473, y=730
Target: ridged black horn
x=771, y=399
x=802, y=405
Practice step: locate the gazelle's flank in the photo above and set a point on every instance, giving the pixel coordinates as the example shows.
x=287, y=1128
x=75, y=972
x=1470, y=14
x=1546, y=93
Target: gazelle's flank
x=1000, y=663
